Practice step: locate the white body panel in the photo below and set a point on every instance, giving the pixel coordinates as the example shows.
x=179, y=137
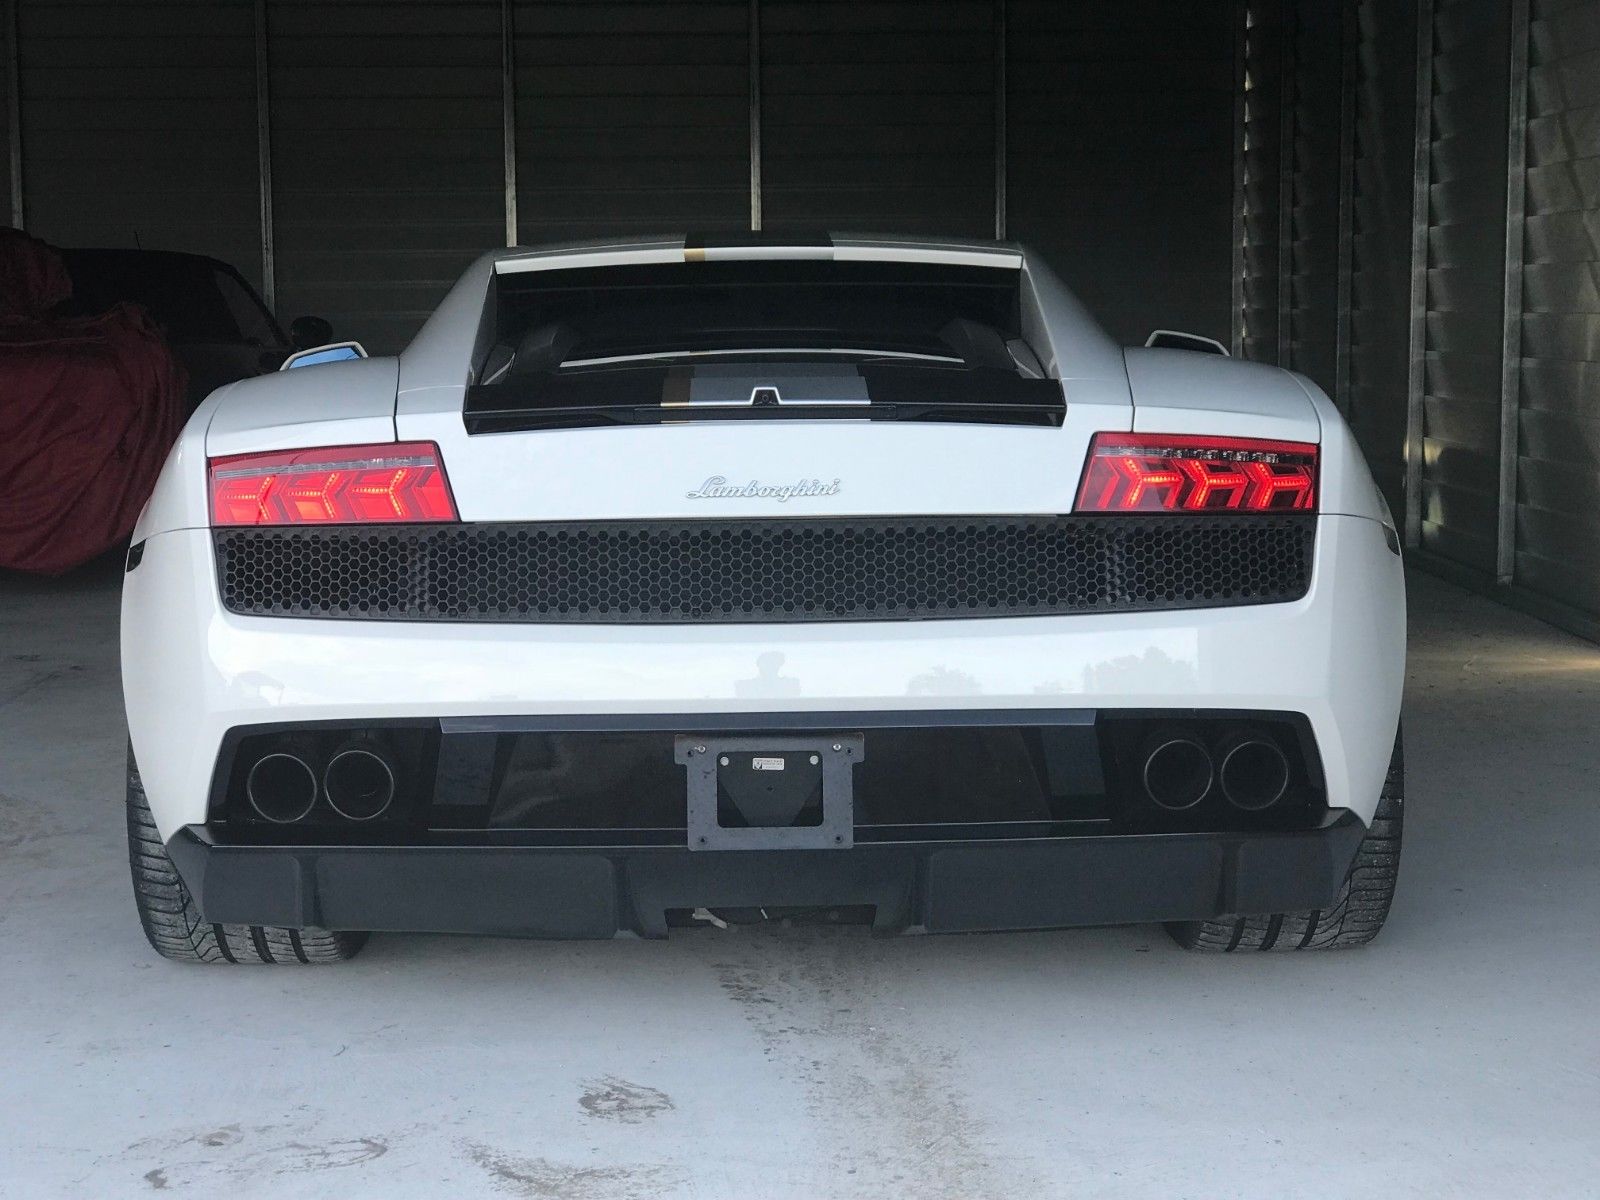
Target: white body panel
x=192, y=671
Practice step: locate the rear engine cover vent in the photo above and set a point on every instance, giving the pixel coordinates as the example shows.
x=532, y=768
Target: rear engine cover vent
x=864, y=569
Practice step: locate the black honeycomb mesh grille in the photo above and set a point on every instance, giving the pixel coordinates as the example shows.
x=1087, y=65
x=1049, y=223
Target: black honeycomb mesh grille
x=650, y=572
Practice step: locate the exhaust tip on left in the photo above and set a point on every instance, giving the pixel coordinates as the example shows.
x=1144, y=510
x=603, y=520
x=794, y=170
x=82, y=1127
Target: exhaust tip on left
x=281, y=787
x=1176, y=769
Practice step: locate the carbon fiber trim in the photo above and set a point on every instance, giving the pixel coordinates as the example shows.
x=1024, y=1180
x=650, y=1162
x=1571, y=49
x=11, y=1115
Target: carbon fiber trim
x=667, y=572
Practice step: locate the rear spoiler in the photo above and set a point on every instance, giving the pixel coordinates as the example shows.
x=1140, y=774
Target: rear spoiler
x=757, y=246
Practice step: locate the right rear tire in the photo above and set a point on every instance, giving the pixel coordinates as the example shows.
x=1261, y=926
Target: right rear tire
x=174, y=925
x=1357, y=912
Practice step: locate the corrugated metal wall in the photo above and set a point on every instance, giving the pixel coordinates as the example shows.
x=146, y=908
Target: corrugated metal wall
x=1382, y=183
x=8, y=83
x=1557, y=547
x=1504, y=441
x=1466, y=263
x=1261, y=135
x=1294, y=185
x=1374, y=256
x=1297, y=225
x=1319, y=53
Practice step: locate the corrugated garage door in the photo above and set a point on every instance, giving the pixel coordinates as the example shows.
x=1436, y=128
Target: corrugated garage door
x=878, y=116
x=1466, y=265
x=1558, y=538
x=1145, y=236
x=632, y=117
x=139, y=121
x=386, y=157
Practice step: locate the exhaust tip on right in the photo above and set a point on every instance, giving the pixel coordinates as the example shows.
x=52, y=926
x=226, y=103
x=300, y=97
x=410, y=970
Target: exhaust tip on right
x=360, y=782
x=281, y=787
x=1177, y=771
x=1254, y=773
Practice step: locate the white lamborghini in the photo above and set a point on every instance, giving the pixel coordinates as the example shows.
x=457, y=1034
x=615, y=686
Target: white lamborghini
x=680, y=581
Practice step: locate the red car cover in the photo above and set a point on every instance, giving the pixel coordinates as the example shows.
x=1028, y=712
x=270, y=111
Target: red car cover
x=89, y=407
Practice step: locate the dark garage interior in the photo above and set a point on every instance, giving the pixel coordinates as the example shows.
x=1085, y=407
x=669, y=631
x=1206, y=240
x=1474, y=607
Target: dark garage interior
x=1399, y=199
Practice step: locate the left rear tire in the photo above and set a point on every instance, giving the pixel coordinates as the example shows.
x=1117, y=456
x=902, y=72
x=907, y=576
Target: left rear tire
x=174, y=925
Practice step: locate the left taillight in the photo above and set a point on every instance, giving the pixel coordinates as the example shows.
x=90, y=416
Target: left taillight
x=1193, y=473
x=388, y=483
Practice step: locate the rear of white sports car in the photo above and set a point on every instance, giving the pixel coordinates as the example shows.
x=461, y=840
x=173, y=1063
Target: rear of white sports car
x=666, y=582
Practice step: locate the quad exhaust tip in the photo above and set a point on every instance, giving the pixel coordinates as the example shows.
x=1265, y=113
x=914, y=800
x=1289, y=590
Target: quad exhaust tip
x=359, y=781
x=1254, y=773
x=1177, y=770
x=281, y=787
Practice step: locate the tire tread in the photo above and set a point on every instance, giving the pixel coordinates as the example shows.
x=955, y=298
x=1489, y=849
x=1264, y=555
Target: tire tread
x=176, y=930
x=1357, y=913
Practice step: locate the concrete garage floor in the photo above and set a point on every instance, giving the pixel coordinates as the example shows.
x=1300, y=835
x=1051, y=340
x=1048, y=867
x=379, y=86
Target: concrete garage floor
x=1459, y=1055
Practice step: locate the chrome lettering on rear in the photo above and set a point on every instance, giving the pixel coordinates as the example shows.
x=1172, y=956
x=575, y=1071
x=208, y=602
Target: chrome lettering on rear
x=718, y=488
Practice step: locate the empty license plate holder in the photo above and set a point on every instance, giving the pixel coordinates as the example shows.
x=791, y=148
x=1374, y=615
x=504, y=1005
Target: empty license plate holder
x=836, y=754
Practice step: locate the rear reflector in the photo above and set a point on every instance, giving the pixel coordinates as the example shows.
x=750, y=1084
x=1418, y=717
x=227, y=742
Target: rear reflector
x=1149, y=472
x=333, y=485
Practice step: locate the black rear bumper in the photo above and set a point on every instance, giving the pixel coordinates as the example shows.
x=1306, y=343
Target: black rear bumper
x=597, y=892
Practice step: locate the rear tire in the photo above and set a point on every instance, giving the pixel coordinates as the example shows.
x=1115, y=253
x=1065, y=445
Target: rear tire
x=1356, y=914
x=174, y=925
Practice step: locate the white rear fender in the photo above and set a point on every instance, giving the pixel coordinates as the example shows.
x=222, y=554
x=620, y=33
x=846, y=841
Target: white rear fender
x=1346, y=484
x=1179, y=391
x=333, y=404
x=330, y=404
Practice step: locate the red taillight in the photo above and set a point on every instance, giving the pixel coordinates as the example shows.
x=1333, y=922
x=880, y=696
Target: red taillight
x=332, y=485
x=1160, y=472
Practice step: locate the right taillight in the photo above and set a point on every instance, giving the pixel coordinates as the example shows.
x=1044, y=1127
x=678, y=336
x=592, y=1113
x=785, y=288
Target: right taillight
x=1193, y=473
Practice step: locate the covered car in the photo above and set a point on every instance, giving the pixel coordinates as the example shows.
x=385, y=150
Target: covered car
x=90, y=404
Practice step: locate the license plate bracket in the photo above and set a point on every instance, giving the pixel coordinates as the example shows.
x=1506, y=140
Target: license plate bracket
x=757, y=786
